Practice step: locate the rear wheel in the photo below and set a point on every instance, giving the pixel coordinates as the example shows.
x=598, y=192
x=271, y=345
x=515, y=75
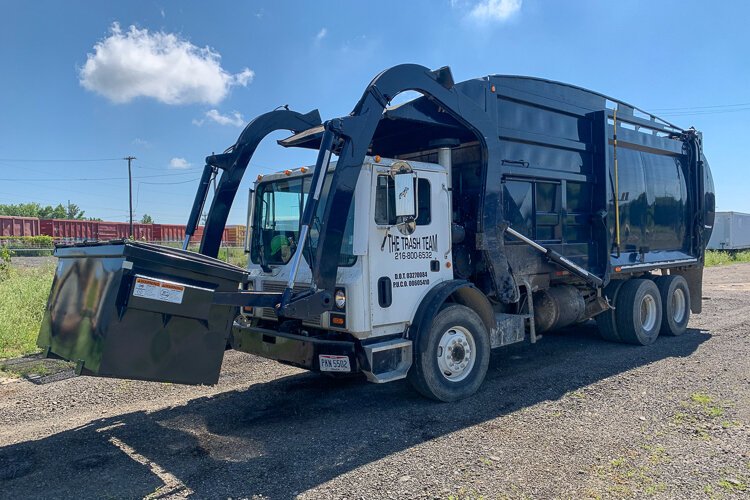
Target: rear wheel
x=451, y=358
x=638, y=312
x=606, y=320
x=675, y=300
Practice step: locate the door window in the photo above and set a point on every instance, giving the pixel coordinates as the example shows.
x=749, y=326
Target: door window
x=385, y=201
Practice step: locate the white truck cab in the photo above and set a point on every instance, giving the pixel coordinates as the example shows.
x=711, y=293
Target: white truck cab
x=388, y=264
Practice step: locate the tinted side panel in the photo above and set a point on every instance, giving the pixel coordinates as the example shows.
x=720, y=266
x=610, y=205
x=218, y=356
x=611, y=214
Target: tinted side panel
x=667, y=213
x=654, y=211
x=633, y=202
x=518, y=206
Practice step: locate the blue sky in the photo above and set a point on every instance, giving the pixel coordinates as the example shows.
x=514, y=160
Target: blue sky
x=78, y=83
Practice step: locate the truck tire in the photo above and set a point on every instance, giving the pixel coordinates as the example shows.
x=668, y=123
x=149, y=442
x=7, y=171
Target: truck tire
x=606, y=320
x=638, y=312
x=451, y=358
x=675, y=300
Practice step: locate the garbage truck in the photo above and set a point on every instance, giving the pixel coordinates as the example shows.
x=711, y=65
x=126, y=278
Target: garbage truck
x=477, y=215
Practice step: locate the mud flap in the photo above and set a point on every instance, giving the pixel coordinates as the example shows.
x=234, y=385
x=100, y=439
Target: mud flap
x=694, y=278
x=139, y=311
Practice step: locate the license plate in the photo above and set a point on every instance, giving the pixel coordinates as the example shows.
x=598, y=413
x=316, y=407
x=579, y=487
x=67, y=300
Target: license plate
x=331, y=363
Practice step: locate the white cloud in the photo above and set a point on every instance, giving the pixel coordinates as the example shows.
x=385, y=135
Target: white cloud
x=243, y=78
x=321, y=34
x=495, y=10
x=234, y=118
x=140, y=142
x=163, y=66
x=179, y=163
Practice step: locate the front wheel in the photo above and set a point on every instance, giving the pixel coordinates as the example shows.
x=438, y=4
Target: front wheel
x=451, y=358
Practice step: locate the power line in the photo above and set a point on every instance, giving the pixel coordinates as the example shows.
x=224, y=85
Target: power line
x=690, y=108
x=51, y=160
x=158, y=169
x=137, y=164
x=172, y=183
x=95, y=178
x=705, y=112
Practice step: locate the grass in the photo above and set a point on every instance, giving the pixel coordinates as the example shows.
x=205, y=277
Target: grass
x=627, y=478
x=700, y=414
x=23, y=296
x=39, y=368
x=722, y=257
x=232, y=255
x=732, y=485
x=701, y=398
x=706, y=403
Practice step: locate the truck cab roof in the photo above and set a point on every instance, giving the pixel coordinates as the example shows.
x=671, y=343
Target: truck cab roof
x=369, y=161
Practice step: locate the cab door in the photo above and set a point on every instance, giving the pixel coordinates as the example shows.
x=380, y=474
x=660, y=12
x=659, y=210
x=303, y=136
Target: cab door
x=402, y=266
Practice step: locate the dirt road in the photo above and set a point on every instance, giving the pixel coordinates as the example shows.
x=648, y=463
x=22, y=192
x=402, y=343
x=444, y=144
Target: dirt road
x=571, y=417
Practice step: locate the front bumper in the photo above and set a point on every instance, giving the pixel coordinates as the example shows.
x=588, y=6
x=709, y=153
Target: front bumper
x=297, y=350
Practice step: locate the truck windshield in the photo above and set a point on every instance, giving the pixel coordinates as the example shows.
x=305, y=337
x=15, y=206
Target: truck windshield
x=276, y=223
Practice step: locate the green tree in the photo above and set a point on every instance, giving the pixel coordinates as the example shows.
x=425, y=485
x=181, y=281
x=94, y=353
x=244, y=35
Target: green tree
x=73, y=211
x=21, y=210
x=69, y=211
x=147, y=219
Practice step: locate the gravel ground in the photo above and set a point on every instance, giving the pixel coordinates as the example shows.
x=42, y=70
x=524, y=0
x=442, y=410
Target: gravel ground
x=571, y=417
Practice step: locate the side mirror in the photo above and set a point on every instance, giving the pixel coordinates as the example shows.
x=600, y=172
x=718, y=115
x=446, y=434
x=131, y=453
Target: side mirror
x=405, y=203
x=407, y=226
x=405, y=200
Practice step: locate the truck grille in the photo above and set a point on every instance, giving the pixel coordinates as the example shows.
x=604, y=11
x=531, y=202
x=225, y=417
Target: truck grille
x=278, y=287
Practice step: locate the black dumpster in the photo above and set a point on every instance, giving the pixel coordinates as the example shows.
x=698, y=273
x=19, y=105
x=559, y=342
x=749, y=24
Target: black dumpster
x=139, y=311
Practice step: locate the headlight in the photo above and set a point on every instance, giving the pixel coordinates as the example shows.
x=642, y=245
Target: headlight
x=340, y=299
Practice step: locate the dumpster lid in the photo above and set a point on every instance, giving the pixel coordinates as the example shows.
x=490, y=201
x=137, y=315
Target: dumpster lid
x=175, y=257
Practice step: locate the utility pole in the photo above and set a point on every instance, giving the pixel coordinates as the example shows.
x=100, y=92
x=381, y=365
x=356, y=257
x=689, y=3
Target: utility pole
x=130, y=192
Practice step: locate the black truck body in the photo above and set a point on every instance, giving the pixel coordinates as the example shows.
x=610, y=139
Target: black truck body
x=547, y=171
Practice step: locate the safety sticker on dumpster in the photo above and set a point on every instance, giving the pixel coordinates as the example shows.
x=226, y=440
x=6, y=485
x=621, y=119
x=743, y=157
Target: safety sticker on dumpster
x=158, y=290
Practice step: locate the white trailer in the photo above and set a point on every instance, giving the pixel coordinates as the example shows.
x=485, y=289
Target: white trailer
x=731, y=231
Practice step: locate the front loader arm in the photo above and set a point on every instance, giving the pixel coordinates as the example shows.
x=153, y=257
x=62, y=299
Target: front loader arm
x=351, y=136
x=233, y=164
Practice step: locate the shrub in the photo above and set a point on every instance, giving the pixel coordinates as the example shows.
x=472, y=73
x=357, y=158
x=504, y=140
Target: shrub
x=28, y=246
x=41, y=241
x=721, y=257
x=4, y=263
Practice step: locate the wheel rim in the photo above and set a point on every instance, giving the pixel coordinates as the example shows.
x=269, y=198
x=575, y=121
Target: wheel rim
x=648, y=313
x=679, y=305
x=456, y=353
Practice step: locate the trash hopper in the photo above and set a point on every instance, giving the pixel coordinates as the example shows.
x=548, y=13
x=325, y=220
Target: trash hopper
x=139, y=311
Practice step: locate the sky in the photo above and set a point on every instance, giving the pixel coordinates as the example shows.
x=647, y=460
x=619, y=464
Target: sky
x=85, y=84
